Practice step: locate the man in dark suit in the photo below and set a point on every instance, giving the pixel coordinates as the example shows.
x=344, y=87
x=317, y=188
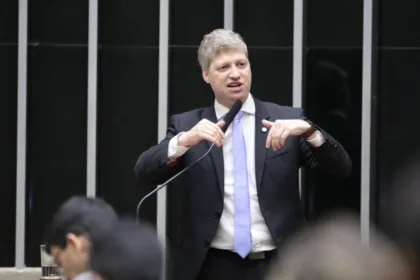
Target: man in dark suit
x=242, y=202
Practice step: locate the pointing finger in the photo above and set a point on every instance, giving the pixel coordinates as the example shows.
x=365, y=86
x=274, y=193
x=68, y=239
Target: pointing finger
x=267, y=124
x=269, y=137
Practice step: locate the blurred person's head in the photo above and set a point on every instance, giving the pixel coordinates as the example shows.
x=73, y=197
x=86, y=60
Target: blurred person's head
x=223, y=58
x=77, y=222
x=333, y=250
x=131, y=252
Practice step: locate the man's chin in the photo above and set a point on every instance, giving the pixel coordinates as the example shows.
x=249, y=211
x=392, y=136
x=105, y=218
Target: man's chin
x=238, y=95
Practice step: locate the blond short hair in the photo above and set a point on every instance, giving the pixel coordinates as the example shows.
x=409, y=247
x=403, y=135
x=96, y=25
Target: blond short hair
x=216, y=41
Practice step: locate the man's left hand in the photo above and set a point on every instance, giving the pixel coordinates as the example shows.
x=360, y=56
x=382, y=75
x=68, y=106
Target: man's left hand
x=281, y=129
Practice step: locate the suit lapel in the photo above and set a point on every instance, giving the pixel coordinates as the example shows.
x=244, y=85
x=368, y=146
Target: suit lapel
x=216, y=152
x=260, y=138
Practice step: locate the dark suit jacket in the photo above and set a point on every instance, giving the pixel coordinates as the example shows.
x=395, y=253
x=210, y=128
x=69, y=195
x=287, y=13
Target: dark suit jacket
x=277, y=180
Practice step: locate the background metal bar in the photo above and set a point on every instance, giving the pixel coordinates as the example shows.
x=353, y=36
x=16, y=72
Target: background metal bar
x=92, y=99
x=163, y=113
x=298, y=61
x=366, y=119
x=21, y=135
x=228, y=14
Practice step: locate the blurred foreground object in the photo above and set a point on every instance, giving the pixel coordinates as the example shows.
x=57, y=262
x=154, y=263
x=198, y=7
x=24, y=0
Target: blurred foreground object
x=131, y=251
x=402, y=214
x=332, y=250
x=76, y=223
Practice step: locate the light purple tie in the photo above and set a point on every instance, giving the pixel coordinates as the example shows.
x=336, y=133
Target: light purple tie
x=242, y=229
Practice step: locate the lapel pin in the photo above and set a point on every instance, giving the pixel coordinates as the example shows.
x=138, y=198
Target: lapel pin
x=264, y=129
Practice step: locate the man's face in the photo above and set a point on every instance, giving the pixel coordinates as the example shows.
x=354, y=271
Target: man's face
x=229, y=75
x=74, y=257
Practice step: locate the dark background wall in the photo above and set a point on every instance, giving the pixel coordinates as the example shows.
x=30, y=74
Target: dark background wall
x=57, y=110
x=128, y=94
x=128, y=59
x=8, y=126
x=396, y=98
x=332, y=96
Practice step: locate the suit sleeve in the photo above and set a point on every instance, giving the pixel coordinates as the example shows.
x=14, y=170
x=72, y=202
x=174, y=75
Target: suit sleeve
x=153, y=165
x=330, y=157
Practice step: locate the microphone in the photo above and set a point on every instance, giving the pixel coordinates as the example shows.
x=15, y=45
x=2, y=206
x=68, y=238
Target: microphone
x=228, y=120
x=231, y=114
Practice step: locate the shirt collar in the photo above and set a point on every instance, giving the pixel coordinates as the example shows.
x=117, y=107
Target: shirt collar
x=247, y=107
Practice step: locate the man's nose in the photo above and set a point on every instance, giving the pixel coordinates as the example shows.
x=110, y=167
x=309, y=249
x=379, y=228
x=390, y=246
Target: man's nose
x=234, y=73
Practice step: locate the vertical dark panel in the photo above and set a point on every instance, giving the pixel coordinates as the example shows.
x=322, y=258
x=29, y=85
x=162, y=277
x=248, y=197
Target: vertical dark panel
x=129, y=23
x=398, y=23
x=127, y=100
x=332, y=23
x=58, y=22
x=333, y=101
x=398, y=128
x=332, y=96
x=272, y=75
x=57, y=113
x=267, y=28
x=8, y=123
x=190, y=20
x=8, y=21
x=266, y=23
x=56, y=155
x=396, y=99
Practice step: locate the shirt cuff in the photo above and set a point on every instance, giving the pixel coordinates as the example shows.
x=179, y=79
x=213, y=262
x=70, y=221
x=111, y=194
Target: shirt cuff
x=175, y=151
x=316, y=139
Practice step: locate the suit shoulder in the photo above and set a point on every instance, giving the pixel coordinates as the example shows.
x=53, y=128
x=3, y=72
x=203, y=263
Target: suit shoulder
x=189, y=114
x=284, y=109
x=188, y=119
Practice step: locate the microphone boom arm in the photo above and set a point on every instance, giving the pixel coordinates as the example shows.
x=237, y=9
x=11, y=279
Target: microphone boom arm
x=168, y=181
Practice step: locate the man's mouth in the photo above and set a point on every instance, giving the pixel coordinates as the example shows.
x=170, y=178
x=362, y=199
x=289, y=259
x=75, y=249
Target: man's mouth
x=235, y=85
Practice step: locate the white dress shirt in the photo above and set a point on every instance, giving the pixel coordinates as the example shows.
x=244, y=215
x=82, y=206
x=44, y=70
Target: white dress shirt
x=87, y=275
x=261, y=237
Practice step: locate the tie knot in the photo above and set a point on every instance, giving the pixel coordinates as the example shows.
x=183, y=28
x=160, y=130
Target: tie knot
x=238, y=116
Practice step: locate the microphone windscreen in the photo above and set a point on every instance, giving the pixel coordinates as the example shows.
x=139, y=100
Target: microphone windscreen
x=231, y=114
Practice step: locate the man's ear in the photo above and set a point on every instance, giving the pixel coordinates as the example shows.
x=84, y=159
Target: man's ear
x=205, y=74
x=73, y=241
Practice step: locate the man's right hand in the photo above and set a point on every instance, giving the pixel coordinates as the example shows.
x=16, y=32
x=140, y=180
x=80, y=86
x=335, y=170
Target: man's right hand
x=204, y=130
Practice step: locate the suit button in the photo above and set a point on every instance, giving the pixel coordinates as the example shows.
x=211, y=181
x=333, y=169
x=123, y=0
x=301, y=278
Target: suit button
x=206, y=243
x=217, y=215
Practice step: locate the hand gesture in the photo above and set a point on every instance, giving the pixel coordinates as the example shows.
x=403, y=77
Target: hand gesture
x=203, y=130
x=281, y=129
